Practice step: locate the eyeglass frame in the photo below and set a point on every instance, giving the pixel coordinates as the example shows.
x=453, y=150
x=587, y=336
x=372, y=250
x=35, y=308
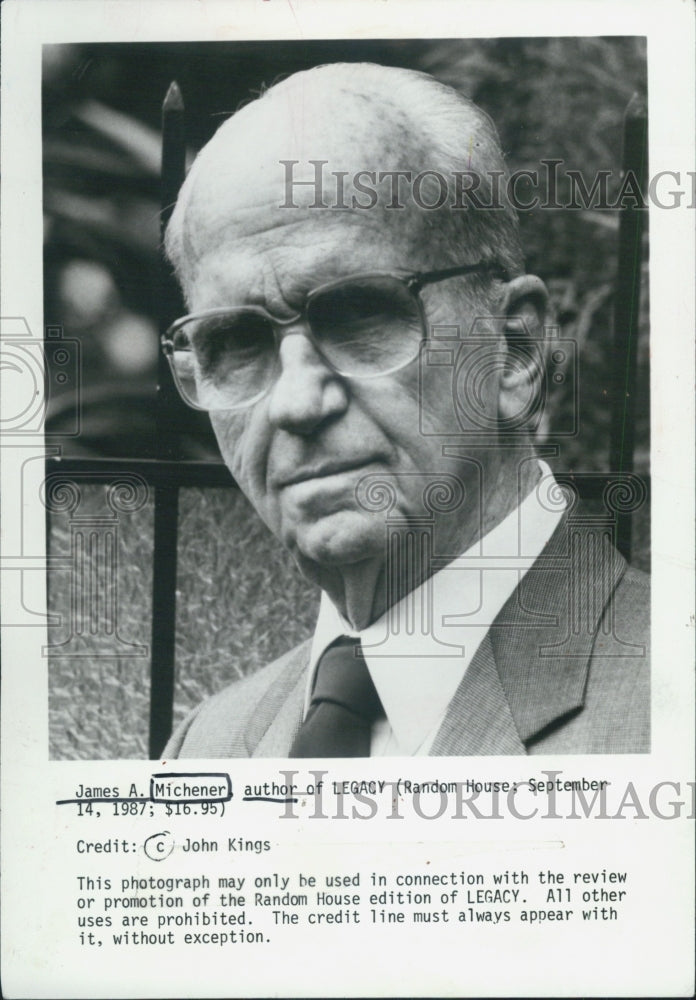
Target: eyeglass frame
x=414, y=282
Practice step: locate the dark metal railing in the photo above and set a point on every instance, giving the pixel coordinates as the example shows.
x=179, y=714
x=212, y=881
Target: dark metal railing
x=627, y=307
x=163, y=634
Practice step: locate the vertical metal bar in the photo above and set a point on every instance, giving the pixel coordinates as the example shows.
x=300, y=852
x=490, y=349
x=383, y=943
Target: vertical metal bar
x=166, y=496
x=627, y=307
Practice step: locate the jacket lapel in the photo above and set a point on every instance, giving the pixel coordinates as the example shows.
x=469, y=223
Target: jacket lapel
x=278, y=715
x=531, y=671
x=478, y=720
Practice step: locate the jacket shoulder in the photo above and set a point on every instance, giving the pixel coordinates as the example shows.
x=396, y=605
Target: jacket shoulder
x=619, y=681
x=616, y=713
x=221, y=726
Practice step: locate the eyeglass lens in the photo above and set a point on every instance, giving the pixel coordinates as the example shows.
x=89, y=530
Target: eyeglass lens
x=362, y=328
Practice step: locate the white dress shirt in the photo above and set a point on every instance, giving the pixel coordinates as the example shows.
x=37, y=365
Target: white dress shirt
x=418, y=651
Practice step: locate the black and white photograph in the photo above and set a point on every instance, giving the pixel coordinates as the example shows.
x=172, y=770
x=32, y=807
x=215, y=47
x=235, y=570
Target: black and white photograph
x=460, y=513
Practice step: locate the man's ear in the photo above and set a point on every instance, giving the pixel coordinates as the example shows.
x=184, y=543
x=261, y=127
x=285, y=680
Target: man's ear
x=525, y=305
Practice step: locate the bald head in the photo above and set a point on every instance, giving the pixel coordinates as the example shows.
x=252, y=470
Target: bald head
x=359, y=121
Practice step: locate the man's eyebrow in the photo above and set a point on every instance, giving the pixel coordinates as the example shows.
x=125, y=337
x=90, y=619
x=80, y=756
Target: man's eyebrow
x=292, y=286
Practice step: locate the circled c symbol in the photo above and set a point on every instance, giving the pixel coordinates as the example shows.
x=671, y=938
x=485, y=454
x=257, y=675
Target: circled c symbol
x=159, y=846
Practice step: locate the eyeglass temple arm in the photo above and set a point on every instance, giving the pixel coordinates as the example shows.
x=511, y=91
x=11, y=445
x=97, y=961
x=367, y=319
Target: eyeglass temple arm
x=422, y=278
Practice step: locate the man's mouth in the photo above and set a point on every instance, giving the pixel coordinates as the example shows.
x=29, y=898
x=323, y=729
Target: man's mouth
x=321, y=470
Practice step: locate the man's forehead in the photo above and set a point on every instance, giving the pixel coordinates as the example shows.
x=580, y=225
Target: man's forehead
x=280, y=265
x=245, y=191
x=316, y=244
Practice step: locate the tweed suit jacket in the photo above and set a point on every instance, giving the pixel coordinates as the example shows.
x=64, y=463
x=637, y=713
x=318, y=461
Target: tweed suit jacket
x=563, y=669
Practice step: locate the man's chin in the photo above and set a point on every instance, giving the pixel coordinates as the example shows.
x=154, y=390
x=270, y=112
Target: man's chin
x=340, y=539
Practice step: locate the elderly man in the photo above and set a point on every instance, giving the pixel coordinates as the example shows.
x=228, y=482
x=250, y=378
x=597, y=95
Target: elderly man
x=367, y=343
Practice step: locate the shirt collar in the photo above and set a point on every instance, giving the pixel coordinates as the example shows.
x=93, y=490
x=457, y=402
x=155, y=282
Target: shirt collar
x=417, y=667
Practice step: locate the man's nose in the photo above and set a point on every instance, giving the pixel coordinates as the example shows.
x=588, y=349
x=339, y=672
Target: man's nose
x=306, y=392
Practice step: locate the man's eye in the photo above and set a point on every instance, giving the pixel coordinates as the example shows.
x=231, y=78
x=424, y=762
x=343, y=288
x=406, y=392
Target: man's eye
x=355, y=305
x=229, y=341
x=360, y=308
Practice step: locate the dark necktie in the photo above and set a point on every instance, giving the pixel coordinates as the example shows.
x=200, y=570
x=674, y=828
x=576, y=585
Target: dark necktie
x=343, y=707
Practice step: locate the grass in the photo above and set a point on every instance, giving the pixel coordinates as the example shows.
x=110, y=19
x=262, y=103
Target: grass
x=240, y=603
